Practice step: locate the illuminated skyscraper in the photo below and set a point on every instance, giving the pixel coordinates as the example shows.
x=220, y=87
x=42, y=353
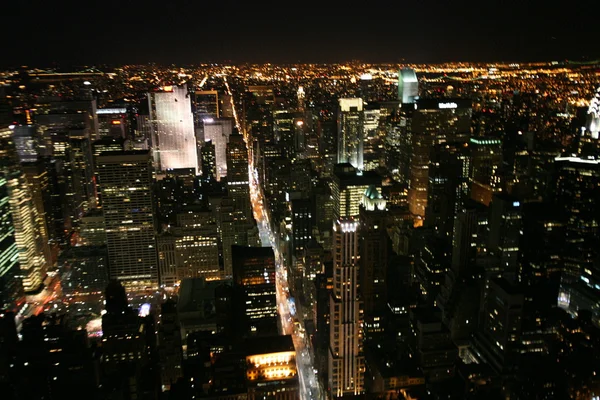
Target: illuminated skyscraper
x=207, y=158
x=351, y=132
x=27, y=234
x=346, y=365
x=237, y=174
x=433, y=122
x=10, y=285
x=593, y=116
x=348, y=189
x=125, y=181
x=218, y=131
x=408, y=85
x=172, y=126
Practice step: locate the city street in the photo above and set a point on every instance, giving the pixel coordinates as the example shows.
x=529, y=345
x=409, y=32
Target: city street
x=309, y=387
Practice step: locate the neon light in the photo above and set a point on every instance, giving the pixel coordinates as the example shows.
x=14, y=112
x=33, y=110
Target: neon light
x=447, y=105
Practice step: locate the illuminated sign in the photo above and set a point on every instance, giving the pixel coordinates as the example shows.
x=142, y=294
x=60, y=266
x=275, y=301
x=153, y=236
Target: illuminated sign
x=447, y=105
x=116, y=122
x=111, y=111
x=516, y=204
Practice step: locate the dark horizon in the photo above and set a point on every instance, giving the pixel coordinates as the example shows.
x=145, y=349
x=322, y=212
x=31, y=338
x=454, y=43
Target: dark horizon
x=43, y=34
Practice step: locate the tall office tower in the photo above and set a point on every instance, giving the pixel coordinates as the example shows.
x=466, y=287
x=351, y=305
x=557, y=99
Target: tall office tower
x=172, y=129
x=372, y=139
x=589, y=141
x=348, y=187
x=113, y=122
x=27, y=233
x=125, y=182
x=449, y=177
x=218, y=131
x=238, y=183
x=433, y=122
x=301, y=234
x=577, y=194
x=504, y=235
x=206, y=104
x=254, y=276
x=26, y=141
x=208, y=161
x=73, y=168
x=11, y=288
x=408, y=86
x=501, y=326
x=23, y=215
x=301, y=94
x=196, y=244
x=284, y=131
x=351, y=132
x=346, y=366
x=258, y=110
x=302, y=223
x=486, y=161
x=374, y=253
x=72, y=119
x=37, y=177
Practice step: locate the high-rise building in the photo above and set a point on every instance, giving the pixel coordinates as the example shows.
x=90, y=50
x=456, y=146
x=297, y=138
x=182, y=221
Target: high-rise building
x=374, y=253
x=254, y=276
x=505, y=232
x=433, y=122
x=23, y=216
x=172, y=125
x=218, y=131
x=486, y=161
x=26, y=142
x=498, y=341
x=10, y=285
x=351, y=132
x=346, y=369
x=37, y=177
x=577, y=194
x=208, y=161
x=237, y=174
x=408, y=86
x=348, y=188
x=206, y=104
x=125, y=182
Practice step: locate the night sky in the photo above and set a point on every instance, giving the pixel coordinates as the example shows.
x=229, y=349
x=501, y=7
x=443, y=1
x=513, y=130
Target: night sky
x=43, y=33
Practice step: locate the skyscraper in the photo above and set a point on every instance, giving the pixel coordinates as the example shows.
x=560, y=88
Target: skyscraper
x=172, y=126
x=408, y=85
x=346, y=365
x=433, y=122
x=218, y=131
x=351, y=132
x=23, y=215
x=237, y=174
x=10, y=285
x=254, y=276
x=125, y=181
x=208, y=161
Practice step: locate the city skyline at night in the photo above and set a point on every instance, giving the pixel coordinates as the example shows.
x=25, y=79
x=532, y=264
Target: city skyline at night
x=307, y=201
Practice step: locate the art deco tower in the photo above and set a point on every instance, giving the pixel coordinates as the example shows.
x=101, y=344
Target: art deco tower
x=346, y=361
